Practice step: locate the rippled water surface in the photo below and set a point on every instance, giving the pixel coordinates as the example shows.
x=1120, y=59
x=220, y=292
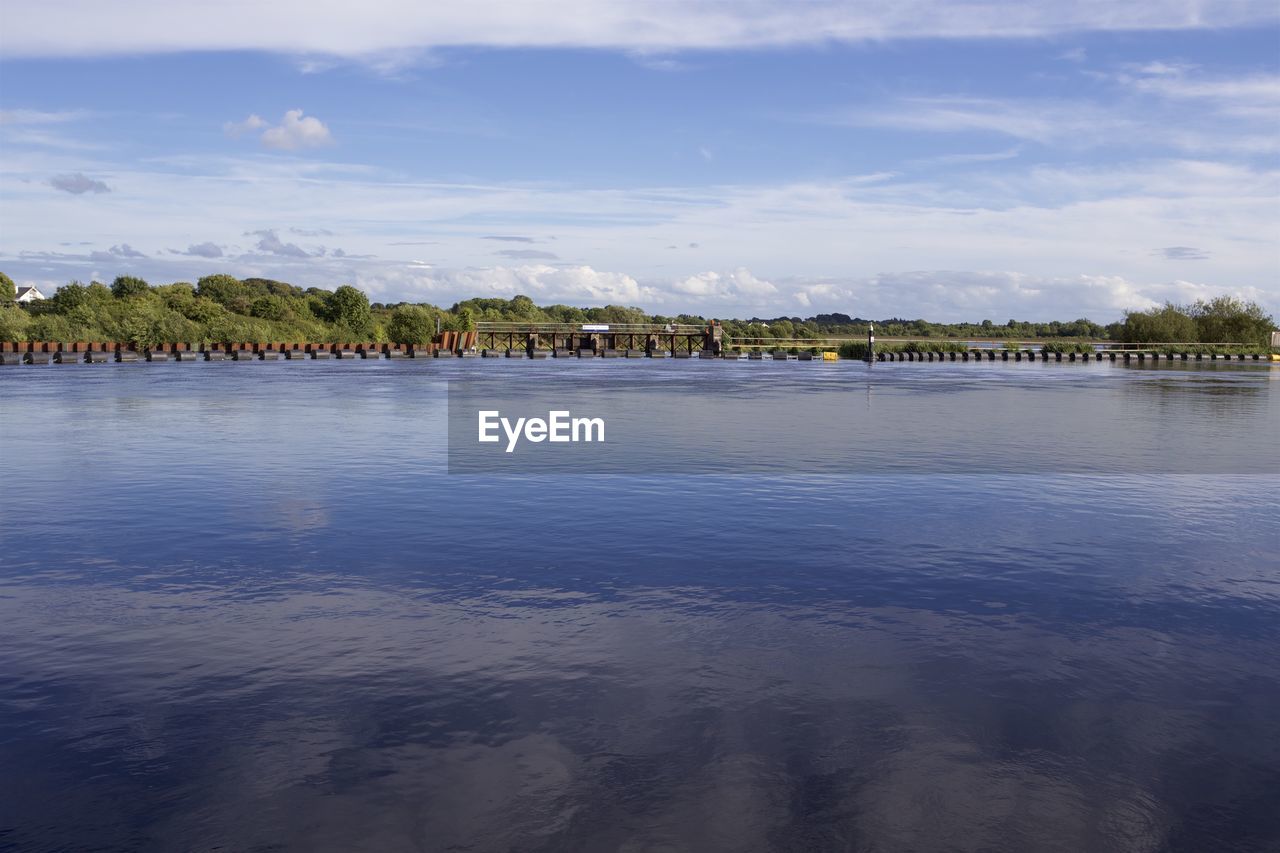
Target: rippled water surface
x=245, y=607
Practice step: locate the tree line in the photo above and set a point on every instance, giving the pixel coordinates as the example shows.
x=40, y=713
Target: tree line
x=224, y=308
x=215, y=308
x=1223, y=319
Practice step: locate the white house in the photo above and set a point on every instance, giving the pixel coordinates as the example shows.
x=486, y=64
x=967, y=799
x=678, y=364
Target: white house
x=30, y=294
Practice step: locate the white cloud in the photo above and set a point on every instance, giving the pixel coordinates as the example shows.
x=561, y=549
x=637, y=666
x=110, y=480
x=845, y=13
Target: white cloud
x=294, y=131
x=236, y=129
x=974, y=157
x=369, y=30
x=659, y=63
x=42, y=128
x=1061, y=241
x=1044, y=121
x=947, y=295
x=979, y=294
x=1160, y=68
x=24, y=117
x=1249, y=96
x=739, y=286
x=1148, y=106
x=389, y=63
x=542, y=282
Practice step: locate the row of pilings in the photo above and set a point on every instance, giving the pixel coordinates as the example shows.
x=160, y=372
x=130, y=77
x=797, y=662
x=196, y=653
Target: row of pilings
x=65, y=352
x=1006, y=355
x=76, y=352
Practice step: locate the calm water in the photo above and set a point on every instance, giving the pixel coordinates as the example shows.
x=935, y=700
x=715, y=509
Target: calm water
x=245, y=607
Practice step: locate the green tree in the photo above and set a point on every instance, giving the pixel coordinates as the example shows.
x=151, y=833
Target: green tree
x=8, y=290
x=84, y=322
x=69, y=297
x=1167, y=324
x=316, y=305
x=1225, y=319
x=269, y=308
x=411, y=324
x=200, y=310
x=98, y=294
x=221, y=288
x=522, y=307
x=462, y=320
x=270, y=287
x=142, y=331
x=617, y=314
x=349, y=307
x=565, y=314
x=125, y=286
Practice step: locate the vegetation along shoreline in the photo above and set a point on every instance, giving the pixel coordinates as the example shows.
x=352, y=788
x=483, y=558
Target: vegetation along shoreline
x=263, y=318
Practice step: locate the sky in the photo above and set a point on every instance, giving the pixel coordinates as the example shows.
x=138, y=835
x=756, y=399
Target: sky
x=920, y=158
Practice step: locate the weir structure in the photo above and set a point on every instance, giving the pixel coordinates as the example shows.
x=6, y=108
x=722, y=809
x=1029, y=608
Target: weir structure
x=538, y=340
x=601, y=338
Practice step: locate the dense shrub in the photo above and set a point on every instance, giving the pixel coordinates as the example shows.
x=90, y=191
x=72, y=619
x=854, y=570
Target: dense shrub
x=411, y=324
x=13, y=323
x=1067, y=347
x=1220, y=320
x=269, y=308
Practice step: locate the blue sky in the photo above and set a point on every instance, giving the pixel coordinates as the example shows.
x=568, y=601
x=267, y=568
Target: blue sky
x=985, y=160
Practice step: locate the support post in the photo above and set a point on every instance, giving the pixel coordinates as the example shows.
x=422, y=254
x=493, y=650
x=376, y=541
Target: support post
x=871, y=343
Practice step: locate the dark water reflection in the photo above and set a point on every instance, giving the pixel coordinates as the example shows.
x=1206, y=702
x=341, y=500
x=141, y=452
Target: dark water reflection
x=252, y=613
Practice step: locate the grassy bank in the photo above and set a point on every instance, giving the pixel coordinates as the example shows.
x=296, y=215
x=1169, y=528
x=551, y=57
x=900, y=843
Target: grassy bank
x=1206, y=349
x=858, y=349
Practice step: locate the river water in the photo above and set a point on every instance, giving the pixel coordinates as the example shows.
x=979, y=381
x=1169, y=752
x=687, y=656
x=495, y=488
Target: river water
x=249, y=607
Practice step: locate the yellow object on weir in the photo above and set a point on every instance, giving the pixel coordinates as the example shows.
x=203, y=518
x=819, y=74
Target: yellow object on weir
x=830, y=356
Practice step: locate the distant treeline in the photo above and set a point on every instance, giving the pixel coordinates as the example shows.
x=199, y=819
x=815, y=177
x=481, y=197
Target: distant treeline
x=224, y=308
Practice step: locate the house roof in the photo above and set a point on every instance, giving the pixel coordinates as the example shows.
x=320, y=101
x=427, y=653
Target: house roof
x=22, y=291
